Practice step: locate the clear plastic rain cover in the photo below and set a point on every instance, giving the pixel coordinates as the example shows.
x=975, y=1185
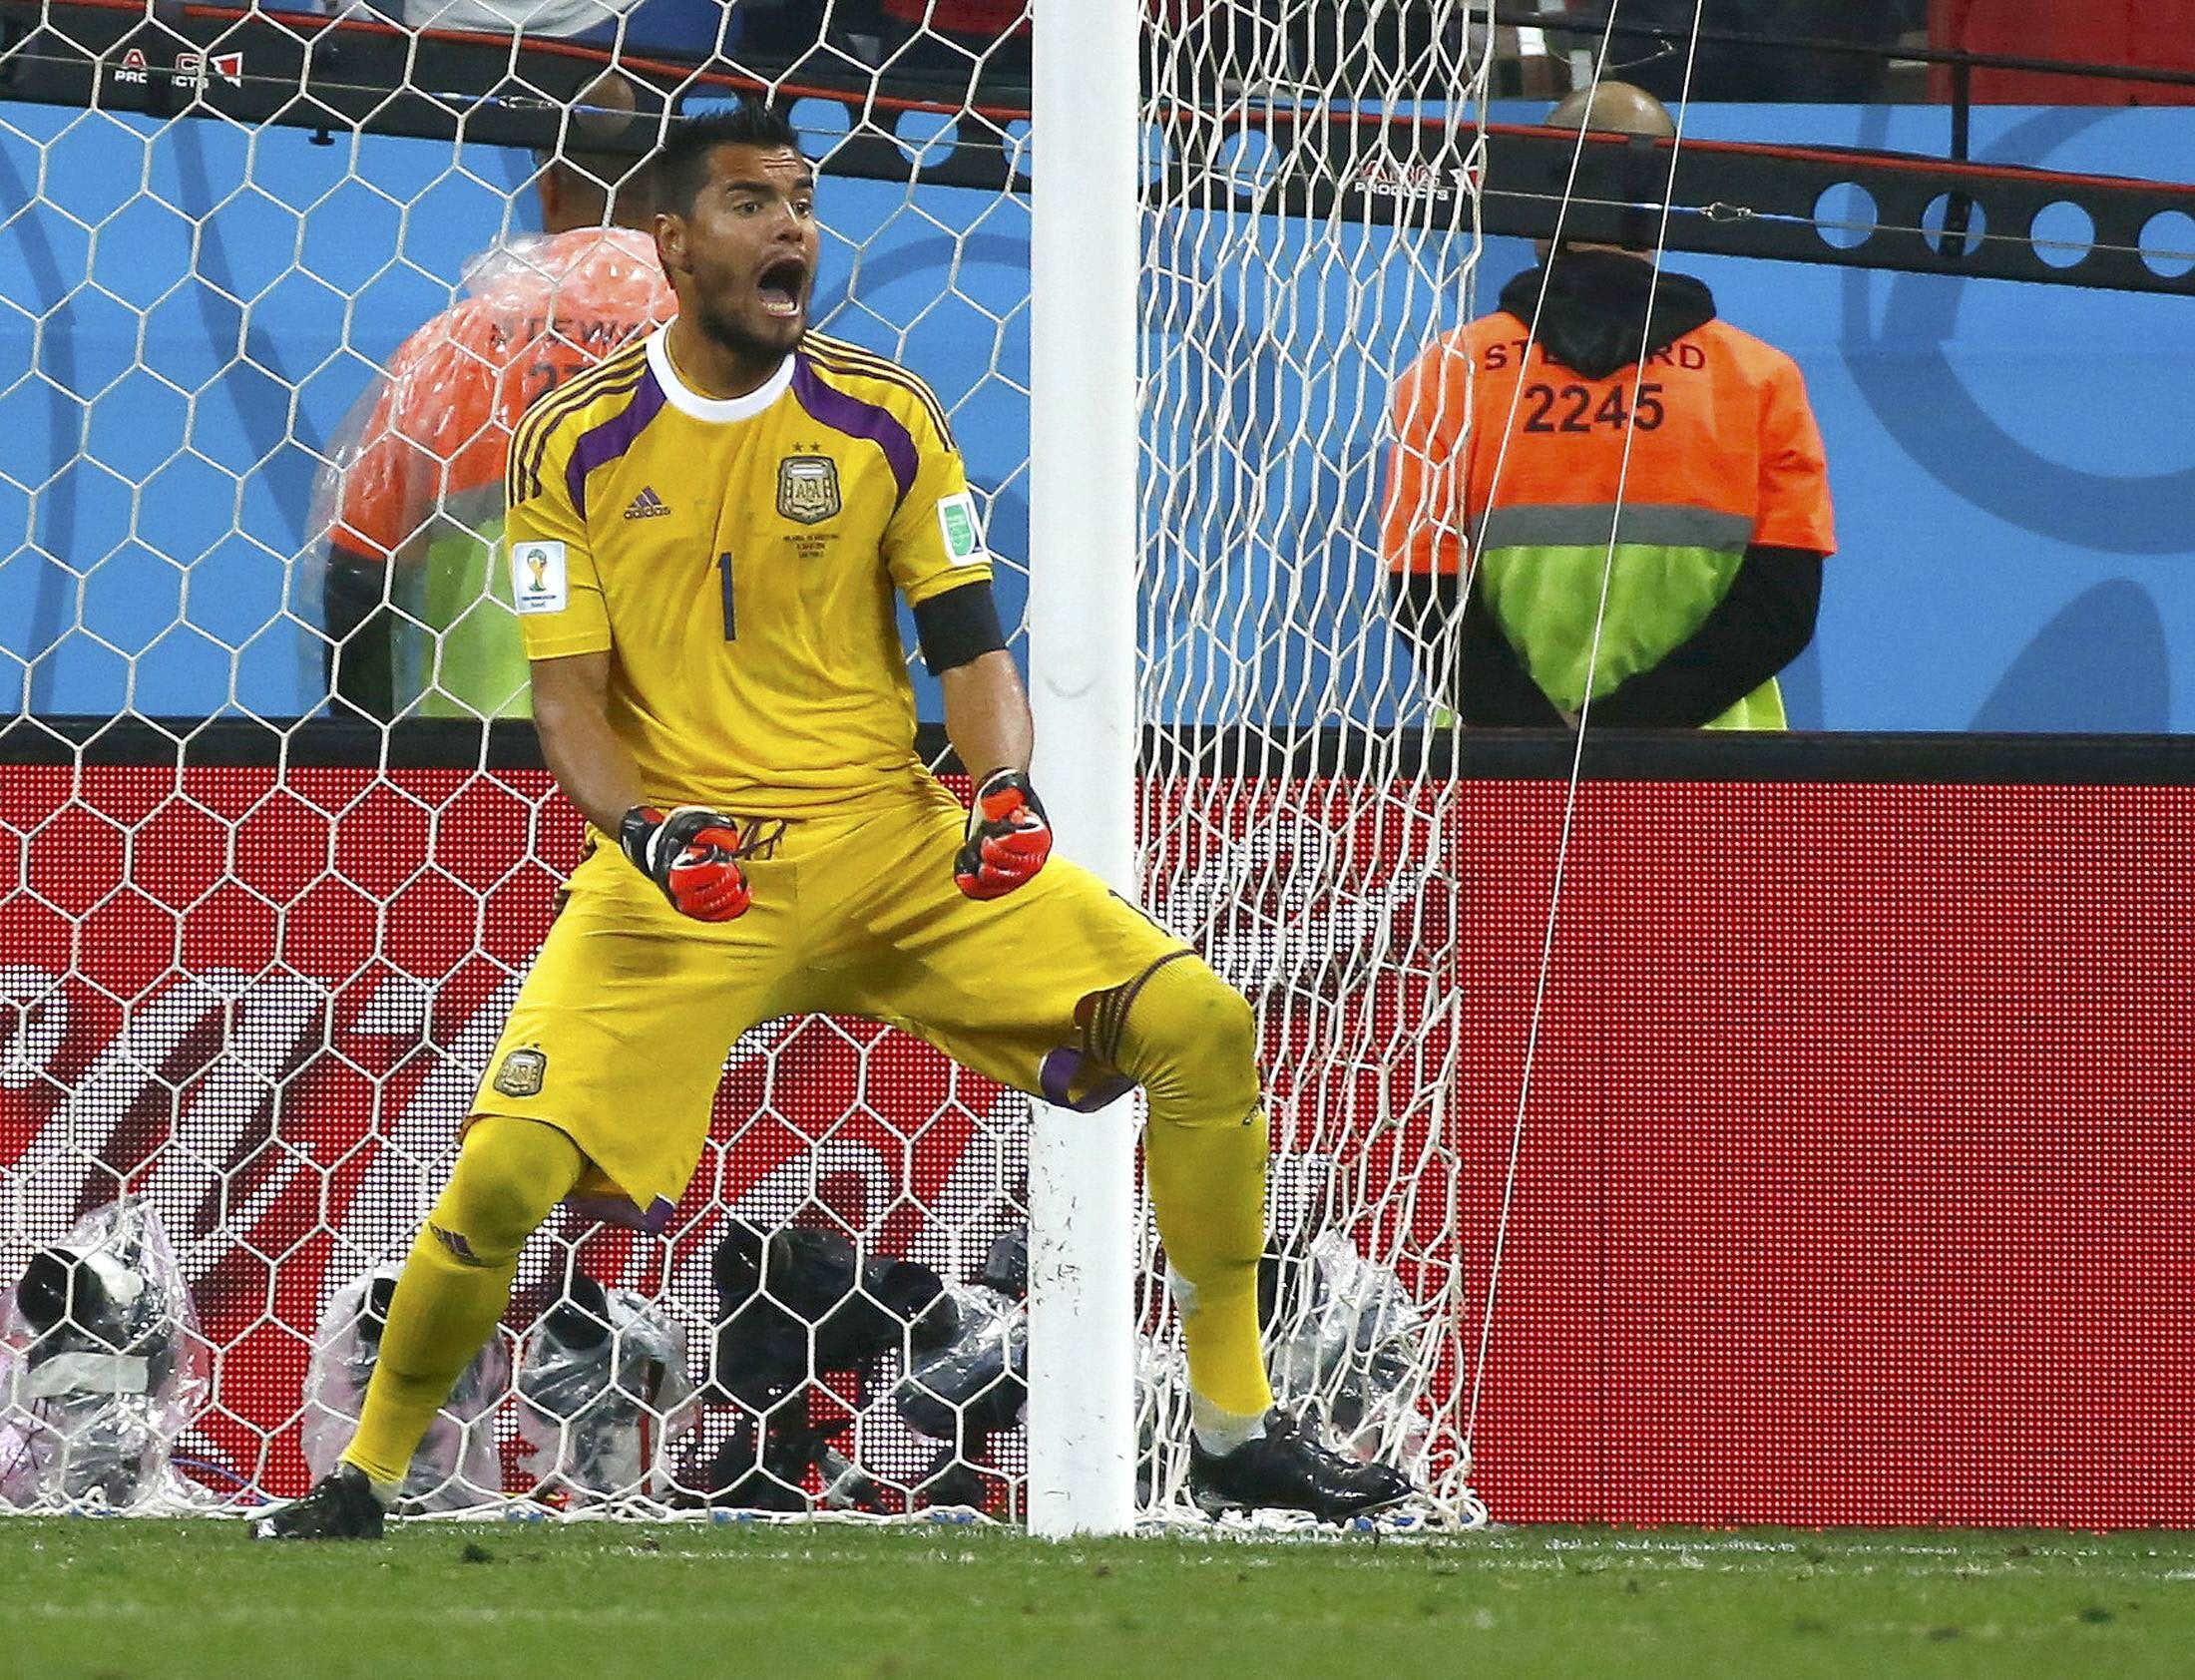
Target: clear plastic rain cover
x=456, y=1466
x=604, y=1396
x=101, y=1368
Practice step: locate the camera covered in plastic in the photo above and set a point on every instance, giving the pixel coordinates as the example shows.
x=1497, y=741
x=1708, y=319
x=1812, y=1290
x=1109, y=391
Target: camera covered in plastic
x=975, y=1387
x=604, y=1396
x=456, y=1466
x=103, y=1369
x=794, y=1304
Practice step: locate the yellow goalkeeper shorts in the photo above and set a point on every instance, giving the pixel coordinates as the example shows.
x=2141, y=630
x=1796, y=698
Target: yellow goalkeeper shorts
x=621, y=1032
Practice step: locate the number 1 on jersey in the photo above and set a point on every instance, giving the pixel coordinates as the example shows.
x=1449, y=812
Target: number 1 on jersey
x=731, y=615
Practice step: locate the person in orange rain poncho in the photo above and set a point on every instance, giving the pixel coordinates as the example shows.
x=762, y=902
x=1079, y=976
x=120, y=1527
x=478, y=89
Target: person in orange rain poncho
x=417, y=614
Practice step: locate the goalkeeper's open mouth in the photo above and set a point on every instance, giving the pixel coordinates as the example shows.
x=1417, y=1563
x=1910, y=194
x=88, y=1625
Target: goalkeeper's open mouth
x=783, y=287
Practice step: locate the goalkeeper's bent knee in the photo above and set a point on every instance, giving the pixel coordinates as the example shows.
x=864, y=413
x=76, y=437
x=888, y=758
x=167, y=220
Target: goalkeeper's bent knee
x=511, y=1173
x=1188, y=1037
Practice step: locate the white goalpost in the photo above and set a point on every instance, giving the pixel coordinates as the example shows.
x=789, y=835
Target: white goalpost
x=1111, y=244
x=1083, y=270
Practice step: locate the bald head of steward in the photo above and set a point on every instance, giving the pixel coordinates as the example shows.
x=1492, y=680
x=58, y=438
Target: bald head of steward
x=1611, y=107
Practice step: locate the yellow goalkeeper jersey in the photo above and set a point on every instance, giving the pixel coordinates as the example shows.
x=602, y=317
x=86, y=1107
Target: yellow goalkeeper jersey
x=736, y=558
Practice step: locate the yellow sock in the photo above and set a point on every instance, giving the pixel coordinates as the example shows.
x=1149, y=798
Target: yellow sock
x=1190, y=1041
x=455, y=1282
x=1207, y=1186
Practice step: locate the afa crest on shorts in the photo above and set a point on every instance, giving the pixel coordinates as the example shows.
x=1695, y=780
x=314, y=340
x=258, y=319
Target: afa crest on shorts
x=808, y=489
x=522, y=1072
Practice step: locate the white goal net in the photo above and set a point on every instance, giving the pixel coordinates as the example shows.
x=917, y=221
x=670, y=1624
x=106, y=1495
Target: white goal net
x=275, y=846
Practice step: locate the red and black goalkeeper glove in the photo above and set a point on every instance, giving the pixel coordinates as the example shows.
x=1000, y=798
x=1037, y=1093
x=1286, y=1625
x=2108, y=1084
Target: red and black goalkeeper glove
x=693, y=855
x=1007, y=837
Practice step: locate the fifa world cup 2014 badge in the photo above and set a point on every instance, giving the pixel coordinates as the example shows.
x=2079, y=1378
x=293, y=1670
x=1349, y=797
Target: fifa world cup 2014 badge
x=538, y=579
x=522, y=1072
x=808, y=489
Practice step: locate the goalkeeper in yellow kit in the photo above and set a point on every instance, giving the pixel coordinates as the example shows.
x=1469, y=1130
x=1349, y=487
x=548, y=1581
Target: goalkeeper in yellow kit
x=704, y=533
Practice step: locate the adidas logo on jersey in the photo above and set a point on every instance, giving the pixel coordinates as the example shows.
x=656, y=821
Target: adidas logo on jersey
x=648, y=505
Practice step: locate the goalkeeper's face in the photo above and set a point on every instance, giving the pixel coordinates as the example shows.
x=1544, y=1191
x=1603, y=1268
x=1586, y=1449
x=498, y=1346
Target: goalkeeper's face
x=743, y=258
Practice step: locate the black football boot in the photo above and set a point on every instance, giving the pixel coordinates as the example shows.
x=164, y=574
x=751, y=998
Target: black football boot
x=342, y=1507
x=1290, y=1468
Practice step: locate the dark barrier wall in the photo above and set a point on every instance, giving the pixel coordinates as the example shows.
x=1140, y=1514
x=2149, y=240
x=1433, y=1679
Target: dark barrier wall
x=1856, y=1157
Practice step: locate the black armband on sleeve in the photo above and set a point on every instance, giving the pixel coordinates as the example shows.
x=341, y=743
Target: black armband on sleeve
x=958, y=626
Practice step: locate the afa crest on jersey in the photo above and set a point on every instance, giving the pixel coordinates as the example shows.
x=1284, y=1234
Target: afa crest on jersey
x=808, y=489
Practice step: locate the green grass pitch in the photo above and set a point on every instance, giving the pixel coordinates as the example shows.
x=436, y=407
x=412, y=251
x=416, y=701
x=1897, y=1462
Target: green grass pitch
x=131, y=1600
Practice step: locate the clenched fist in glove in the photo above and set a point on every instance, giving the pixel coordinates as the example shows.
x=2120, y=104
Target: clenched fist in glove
x=692, y=854
x=1007, y=837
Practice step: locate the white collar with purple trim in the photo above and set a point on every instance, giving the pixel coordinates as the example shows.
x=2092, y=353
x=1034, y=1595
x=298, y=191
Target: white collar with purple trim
x=686, y=400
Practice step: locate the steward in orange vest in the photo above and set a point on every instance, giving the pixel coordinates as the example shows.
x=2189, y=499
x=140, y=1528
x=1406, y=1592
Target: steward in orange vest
x=1573, y=436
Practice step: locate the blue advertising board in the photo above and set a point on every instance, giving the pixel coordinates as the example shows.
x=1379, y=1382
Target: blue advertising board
x=188, y=311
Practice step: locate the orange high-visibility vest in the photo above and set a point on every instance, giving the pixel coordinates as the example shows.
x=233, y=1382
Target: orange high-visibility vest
x=1659, y=477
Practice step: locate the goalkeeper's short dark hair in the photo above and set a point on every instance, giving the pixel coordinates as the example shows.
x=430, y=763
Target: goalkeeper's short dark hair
x=681, y=165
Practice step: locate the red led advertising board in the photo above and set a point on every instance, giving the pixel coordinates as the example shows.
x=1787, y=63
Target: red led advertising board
x=1856, y=1157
